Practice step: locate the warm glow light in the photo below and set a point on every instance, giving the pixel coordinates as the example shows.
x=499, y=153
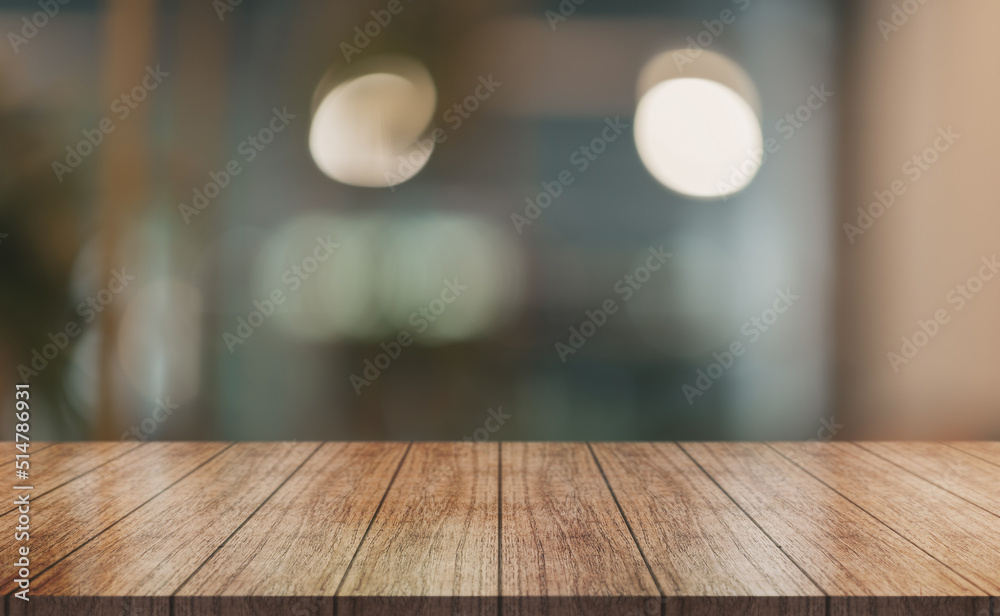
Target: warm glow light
x=367, y=130
x=706, y=64
x=698, y=137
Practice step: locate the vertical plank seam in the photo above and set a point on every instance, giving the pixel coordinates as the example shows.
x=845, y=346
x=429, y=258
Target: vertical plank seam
x=371, y=522
x=628, y=525
x=137, y=507
x=879, y=520
x=752, y=519
x=108, y=461
x=499, y=529
x=244, y=522
x=922, y=478
x=969, y=453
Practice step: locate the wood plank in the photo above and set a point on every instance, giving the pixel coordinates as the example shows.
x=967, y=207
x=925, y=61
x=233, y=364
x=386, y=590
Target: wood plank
x=706, y=554
x=989, y=451
x=89, y=606
x=962, y=474
x=167, y=529
x=53, y=466
x=293, y=553
x=866, y=568
x=566, y=548
x=8, y=449
x=432, y=547
x=148, y=555
x=955, y=532
x=65, y=518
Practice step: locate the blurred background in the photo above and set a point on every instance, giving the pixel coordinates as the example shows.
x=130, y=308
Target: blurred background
x=518, y=219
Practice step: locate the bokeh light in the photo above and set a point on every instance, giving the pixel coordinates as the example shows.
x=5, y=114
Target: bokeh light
x=426, y=253
x=698, y=137
x=697, y=124
x=159, y=342
x=386, y=270
x=336, y=298
x=700, y=64
x=366, y=129
x=82, y=372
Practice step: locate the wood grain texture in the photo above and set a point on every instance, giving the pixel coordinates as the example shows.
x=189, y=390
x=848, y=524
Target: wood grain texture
x=989, y=451
x=152, y=551
x=67, y=517
x=431, y=529
x=432, y=547
x=8, y=449
x=960, y=473
x=45, y=605
x=953, y=531
x=566, y=548
x=848, y=553
x=292, y=554
x=707, y=556
x=53, y=466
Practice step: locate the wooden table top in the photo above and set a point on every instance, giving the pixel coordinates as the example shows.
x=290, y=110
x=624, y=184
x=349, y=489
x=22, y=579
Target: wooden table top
x=621, y=529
